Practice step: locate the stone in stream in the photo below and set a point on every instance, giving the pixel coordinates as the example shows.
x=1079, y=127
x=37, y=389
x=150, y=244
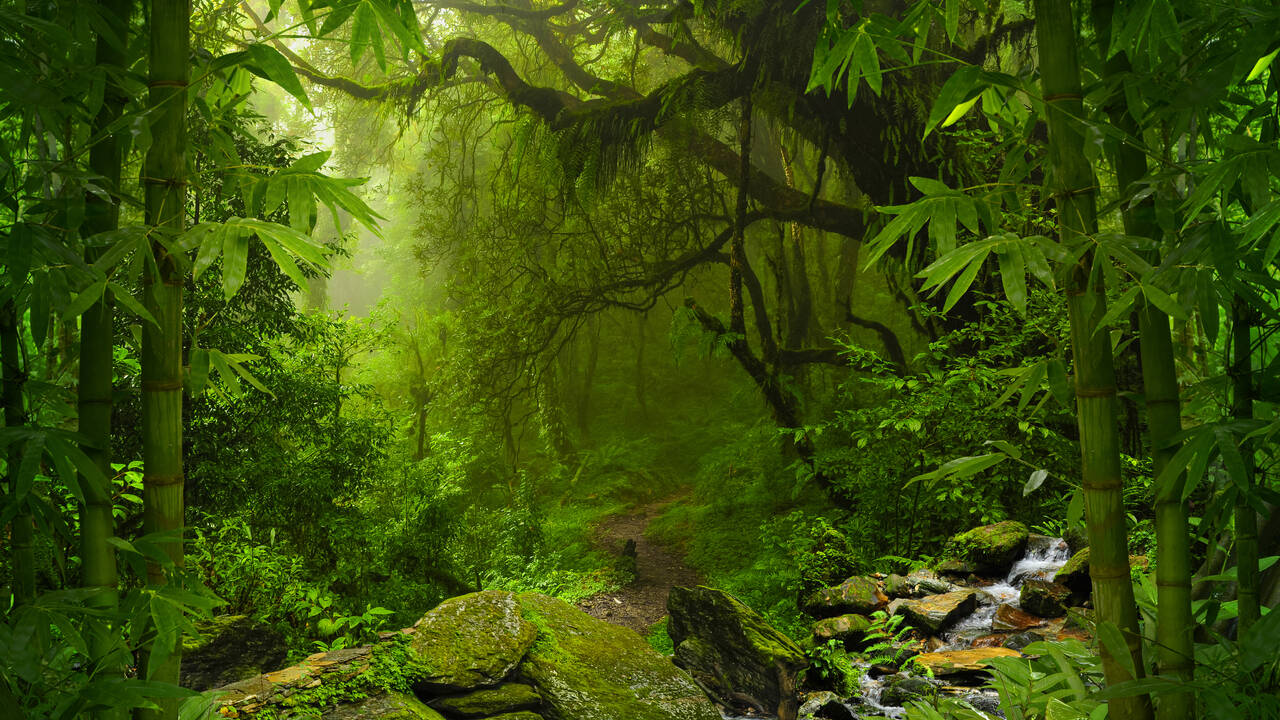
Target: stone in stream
x=902, y=690
x=958, y=662
x=733, y=652
x=471, y=641
x=1075, y=574
x=1046, y=599
x=1010, y=618
x=935, y=613
x=1022, y=639
x=589, y=669
x=826, y=705
x=896, y=586
x=486, y=702
x=990, y=549
x=845, y=628
x=856, y=595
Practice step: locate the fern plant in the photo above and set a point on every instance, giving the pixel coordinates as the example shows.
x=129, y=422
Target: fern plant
x=887, y=638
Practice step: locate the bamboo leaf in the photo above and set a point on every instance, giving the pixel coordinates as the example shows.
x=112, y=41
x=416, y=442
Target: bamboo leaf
x=83, y=300
x=131, y=303
x=235, y=260
x=1035, y=481
x=1114, y=643
x=270, y=64
x=1013, y=276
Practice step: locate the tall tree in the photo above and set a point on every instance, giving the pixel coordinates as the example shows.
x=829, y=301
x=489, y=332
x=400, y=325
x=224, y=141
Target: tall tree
x=1074, y=187
x=165, y=179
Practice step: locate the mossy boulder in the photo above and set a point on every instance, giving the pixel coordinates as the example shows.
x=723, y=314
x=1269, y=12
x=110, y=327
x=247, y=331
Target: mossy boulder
x=990, y=549
x=470, y=641
x=486, y=702
x=230, y=648
x=733, y=652
x=935, y=613
x=845, y=628
x=384, y=706
x=1075, y=573
x=900, y=691
x=896, y=586
x=588, y=669
x=858, y=594
x=1046, y=599
x=522, y=715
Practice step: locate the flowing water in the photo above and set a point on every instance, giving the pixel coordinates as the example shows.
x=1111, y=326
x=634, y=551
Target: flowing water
x=1042, y=558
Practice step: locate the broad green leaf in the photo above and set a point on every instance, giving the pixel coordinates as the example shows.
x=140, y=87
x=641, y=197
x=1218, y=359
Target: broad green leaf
x=276, y=68
x=125, y=298
x=1114, y=643
x=1035, y=481
x=963, y=84
x=1261, y=66
x=83, y=300
x=960, y=111
x=235, y=260
x=867, y=60
x=1013, y=276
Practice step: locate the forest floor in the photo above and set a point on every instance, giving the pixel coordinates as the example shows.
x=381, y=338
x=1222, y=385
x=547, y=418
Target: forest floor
x=658, y=569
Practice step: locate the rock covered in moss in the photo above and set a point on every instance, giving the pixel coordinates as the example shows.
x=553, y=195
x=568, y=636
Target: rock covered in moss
x=470, y=641
x=842, y=627
x=855, y=595
x=486, y=702
x=522, y=715
x=1075, y=573
x=230, y=648
x=732, y=651
x=900, y=691
x=588, y=669
x=1045, y=599
x=990, y=549
x=383, y=706
x=896, y=586
x=935, y=613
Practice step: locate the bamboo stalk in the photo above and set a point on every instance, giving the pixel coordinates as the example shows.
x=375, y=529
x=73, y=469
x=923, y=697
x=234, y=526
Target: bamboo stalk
x=1074, y=186
x=1246, y=519
x=20, y=528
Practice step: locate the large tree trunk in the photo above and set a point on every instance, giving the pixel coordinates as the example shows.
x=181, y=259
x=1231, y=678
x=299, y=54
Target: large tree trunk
x=1074, y=185
x=97, y=525
x=165, y=177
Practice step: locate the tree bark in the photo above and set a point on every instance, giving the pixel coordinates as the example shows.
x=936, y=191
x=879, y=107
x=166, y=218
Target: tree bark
x=1073, y=185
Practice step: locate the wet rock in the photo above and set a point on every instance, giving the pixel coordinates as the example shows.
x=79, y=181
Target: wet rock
x=588, y=669
x=990, y=549
x=935, y=613
x=929, y=584
x=956, y=662
x=956, y=568
x=384, y=706
x=903, y=690
x=845, y=628
x=1010, y=618
x=1022, y=639
x=1075, y=574
x=825, y=705
x=896, y=586
x=732, y=651
x=1046, y=599
x=486, y=702
x=230, y=648
x=856, y=595
x=988, y=641
x=1076, y=537
x=471, y=641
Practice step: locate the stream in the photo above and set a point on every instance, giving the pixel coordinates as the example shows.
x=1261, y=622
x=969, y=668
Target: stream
x=1042, y=558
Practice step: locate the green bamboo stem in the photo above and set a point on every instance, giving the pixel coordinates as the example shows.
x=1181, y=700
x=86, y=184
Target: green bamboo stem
x=1074, y=186
x=165, y=178
x=1246, y=519
x=1175, y=624
x=20, y=528
x=97, y=525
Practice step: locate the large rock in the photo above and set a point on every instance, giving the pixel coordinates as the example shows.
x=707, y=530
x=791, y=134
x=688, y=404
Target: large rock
x=958, y=662
x=901, y=690
x=1010, y=619
x=487, y=702
x=383, y=706
x=935, y=613
x=843, y=628
x=588, y=669
x=732, y=651
x=230, y=648
x=856, y=595
x=1046, y=599
x=470, y=641
x=1075, y=574
x=990, y=549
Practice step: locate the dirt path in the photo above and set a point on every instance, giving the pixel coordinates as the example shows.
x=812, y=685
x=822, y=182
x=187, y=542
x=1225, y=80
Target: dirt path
x=658, y=569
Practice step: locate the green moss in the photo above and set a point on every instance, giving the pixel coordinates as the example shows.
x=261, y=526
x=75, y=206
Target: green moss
x=991, y=548
x=658, y=638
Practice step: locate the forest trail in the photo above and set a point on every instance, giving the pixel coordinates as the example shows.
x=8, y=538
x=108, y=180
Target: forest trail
x=658, y=569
